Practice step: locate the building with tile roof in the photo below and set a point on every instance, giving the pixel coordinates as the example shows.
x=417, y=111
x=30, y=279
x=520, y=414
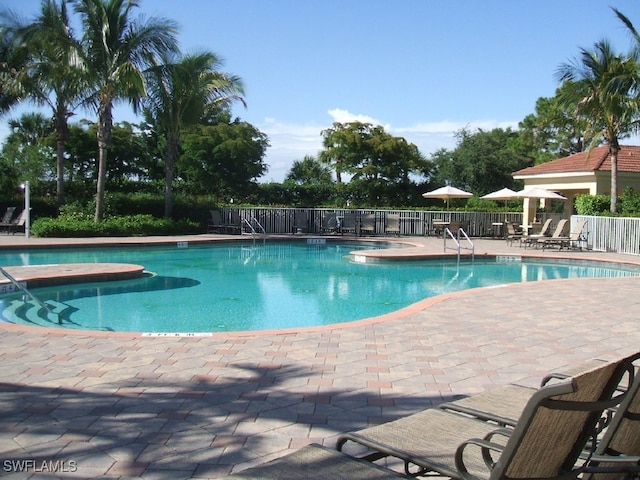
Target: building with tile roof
x=585, y=172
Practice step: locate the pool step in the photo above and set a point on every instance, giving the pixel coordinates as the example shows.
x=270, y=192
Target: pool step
x=30, y=313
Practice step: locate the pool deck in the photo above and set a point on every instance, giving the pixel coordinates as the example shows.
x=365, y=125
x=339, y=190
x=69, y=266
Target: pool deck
x=124, y=406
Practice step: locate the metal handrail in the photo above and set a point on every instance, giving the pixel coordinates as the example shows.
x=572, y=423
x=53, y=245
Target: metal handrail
x=253, y=230
x=28, y=293
x=458, y=246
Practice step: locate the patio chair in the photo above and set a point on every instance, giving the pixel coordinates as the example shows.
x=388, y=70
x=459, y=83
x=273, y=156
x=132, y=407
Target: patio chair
x=532, y=239
x=8, y=216
x=16, y=224
x=504, y=405
x=300, y=222
x=368, y=224
x=558, y=233
x=392, y=224
x=512, y=233
x=329, y=223
x=555, y=426
x=316, y=462
x=234, y=226
x=569, y=240
x=618, y=452
x=215, y=225
x=348, y=223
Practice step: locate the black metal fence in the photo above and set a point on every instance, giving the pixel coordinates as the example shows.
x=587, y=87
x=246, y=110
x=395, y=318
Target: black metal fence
x=324, y=221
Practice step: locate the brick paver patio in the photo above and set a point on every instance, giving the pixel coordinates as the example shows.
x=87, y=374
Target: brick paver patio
x=127, y=406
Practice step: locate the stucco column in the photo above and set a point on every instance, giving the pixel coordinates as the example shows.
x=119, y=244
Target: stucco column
x=529, y=210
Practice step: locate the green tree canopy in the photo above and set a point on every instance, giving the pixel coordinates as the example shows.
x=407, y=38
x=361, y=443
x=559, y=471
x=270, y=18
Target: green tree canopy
x=482, y=162
x=309, y=171
x=222, y=159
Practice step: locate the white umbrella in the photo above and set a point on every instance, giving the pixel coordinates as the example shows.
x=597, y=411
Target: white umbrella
x=446, y=193
x=502, y=194
x=535, y=192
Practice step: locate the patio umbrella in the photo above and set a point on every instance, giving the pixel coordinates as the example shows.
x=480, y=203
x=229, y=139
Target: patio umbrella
x=536, y=192
x=446, y=193
x=502, y=194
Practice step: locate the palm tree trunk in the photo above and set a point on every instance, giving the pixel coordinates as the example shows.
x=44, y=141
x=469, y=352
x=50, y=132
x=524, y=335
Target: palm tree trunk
x=613, y=149
x=104, y=137
x=60, y=171
x=62, y=134
x=169, y=165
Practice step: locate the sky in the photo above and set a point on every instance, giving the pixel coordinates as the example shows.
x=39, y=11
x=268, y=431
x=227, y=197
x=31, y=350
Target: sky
x=423, y=69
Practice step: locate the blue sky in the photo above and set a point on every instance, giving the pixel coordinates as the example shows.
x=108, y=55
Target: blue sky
x=423, y=69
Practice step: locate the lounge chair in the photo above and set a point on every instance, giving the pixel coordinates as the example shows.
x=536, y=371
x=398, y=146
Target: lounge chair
x=619, y=449
x=367, y=224
x=300, y=222
x=558, y=233
x=567, y=241
x=14, y=225
x=392, y=224
x=316, y=462
x=512, y=233
x=504, y=405
x=348, y=223
x=329, y=223
x=8, y=216
x=558, y=421
x=533, y=238
x=235, y=223
x=216, y=225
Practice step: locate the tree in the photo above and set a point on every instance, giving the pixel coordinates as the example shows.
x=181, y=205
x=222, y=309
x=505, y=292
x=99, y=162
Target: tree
x=224, y=159
x=482, y=161
x=53, y=76
x=309, y=171
x=117, y=49
x=603, y=86
x=26, y=147
x=554, y=130
x=181, y=91
x=13, y=57
x=338, y=142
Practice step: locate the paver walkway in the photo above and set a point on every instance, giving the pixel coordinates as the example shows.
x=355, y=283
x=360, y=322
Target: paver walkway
x=126, y=406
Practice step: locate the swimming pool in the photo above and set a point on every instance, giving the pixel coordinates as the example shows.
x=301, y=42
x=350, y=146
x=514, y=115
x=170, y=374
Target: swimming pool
x=240, y=287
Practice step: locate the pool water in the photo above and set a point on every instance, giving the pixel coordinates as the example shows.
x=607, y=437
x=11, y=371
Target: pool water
x=234, y=287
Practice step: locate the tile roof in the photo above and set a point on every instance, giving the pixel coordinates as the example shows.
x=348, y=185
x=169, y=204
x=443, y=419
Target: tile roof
x=595, y=160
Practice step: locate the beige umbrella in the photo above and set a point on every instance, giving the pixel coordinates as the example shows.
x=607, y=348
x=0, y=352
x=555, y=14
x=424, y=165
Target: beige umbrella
x=535, y=192
x=446, y=193
x=502, y=194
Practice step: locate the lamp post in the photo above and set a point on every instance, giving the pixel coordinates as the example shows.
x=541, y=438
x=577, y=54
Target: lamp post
x=27, y=208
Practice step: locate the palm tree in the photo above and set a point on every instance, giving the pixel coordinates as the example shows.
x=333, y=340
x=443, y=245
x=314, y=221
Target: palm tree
x=13, y=58
x=53, y=74
x=601, y=84
x=632, y=30
x=117, y=49
x=182, y=90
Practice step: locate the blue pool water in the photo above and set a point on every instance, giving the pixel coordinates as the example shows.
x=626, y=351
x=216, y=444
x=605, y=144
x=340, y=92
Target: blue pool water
x=235, y=287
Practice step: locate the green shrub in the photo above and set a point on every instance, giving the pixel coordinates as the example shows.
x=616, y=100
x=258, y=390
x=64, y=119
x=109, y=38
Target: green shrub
x=78, y=225
x=593, y=204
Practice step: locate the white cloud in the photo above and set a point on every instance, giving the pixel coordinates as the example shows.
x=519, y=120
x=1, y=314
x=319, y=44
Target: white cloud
x=290, y=142
x=344, y=116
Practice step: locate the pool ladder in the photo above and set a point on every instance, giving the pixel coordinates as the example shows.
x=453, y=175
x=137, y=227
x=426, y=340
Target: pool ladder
x=21, y=287
x=456, y=239
x=253, y=223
